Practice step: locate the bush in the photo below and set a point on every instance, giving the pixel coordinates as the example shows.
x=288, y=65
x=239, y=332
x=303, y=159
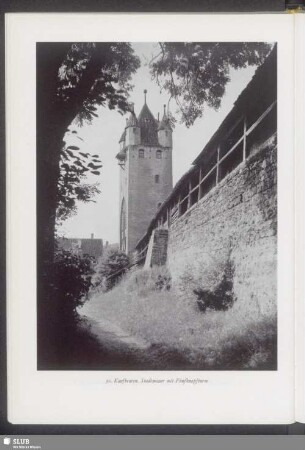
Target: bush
x=64, y=287
x=163, y=282
x=222, y=296
x=71, y=278
x=110, y=269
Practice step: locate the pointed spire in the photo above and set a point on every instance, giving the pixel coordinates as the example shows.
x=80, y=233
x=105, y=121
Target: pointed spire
x=148, y=125
x=165, y=123
x=145, y=92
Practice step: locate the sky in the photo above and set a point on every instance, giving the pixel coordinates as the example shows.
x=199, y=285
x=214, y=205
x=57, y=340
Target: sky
x=102, y=135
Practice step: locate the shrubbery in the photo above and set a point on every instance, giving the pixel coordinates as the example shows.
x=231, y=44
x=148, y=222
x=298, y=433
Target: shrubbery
x=109, y=269
x=64, y=287
x=70, y=279
x=222, y=296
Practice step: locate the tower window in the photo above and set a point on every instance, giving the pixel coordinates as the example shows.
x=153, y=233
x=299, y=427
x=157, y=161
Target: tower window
x=141, y=153
x=158, y=154
x=157, y=178
x=159, y=204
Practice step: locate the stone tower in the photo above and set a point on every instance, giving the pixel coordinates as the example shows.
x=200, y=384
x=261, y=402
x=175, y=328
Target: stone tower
x=145, y=161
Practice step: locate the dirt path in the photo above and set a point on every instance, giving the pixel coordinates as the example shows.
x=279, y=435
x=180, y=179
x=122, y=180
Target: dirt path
x=113, y=336
x=120, y=350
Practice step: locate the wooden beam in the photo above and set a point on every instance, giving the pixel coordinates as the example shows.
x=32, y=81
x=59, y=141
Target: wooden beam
x=217, y=164
x=245, y=139
x=200, y=188
x=254, y=125
x=189, y=195
x=179, y=205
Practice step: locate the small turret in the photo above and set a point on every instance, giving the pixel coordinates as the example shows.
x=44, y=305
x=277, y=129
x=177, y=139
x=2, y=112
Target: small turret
x=148, y=125
x=133, y=132
x=165, y=131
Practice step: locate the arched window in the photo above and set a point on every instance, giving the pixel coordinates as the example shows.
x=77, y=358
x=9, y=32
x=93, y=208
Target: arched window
x=159, y=204
x=123, y=226
x=157, y=178
x=141, y=153
x=158, y=154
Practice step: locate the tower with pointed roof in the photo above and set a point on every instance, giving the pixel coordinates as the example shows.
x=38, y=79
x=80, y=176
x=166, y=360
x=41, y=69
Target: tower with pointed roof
x=145, y=160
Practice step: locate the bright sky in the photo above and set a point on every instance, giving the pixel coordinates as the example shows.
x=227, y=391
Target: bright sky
x=102, y=136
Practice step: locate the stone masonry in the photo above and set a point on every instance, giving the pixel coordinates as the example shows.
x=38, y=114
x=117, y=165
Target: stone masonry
x=157, y=248
x=236, y=223
x=146, y=179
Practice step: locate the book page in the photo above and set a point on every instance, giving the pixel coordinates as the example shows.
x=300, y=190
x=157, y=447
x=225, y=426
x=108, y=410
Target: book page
x=299, y=202
x=170, y=298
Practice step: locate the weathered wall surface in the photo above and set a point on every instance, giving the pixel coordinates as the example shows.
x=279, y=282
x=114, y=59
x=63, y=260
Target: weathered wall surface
x=237, y=222
x=157, y=249
x=144, y=193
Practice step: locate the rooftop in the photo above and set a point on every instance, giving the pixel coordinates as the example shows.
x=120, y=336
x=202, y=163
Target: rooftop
x=148, y=125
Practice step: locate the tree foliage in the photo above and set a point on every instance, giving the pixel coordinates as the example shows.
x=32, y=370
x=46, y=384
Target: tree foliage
x=111, y=87
x=113, y=263
x=95, y=74
x=74, y=167
x=195, y=74
x=70, y=280
x=72, y=80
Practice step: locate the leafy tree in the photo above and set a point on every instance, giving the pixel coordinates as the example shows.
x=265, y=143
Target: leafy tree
x=110, y=267
x=74, y=166
x=195, y=74
x=72, y=80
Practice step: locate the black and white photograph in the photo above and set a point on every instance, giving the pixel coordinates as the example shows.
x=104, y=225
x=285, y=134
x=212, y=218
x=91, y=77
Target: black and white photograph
x=156, y=206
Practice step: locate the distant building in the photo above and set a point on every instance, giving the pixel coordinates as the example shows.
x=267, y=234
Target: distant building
x=145, y=159
x=92, y=247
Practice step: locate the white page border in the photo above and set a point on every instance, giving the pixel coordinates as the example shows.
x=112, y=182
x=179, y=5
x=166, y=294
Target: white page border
x=82, y=396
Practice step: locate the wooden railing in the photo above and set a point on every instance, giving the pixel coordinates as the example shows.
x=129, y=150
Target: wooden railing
x=138, y=257
x=197, y=183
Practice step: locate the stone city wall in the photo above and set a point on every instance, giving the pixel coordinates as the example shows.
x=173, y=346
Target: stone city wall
x=234, y=224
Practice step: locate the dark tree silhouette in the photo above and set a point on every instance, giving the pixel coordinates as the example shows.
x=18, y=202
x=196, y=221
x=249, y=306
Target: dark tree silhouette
x=72, y=79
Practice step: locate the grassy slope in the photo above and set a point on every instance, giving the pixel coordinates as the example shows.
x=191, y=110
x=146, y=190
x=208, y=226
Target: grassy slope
x=232, y=339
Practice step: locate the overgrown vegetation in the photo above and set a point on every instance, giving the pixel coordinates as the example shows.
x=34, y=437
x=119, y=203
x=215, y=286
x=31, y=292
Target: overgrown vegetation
x=71, y=279
x=109, y=269
x=230, y=338
x=221, y=297
x=68, y=279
